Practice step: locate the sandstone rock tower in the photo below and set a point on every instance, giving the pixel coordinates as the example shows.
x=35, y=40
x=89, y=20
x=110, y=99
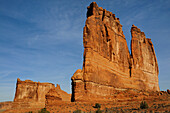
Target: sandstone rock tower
x=108, y=65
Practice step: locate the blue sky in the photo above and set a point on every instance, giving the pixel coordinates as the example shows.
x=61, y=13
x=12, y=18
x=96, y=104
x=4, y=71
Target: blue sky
x=42, y=40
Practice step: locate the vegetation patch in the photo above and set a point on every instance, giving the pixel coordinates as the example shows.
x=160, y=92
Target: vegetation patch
x=97, y=105
x=144, y=105
x=43, y=111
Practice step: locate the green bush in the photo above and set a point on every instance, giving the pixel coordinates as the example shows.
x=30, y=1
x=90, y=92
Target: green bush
x=99, y=111
x=77, y=111
x=43, y=111
x=30, y=112
x=144, y=105
x=97, y=105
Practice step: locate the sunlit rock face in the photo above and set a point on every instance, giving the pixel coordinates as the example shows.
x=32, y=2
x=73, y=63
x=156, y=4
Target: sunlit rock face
x=32, y=92
x=144, y=64
x=37, y=95
x=108, y=66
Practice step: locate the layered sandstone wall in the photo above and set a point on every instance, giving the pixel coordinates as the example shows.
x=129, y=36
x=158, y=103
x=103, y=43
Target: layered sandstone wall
x=31, y=92
x=56, y=95
x=108, y=65
x=144, y=67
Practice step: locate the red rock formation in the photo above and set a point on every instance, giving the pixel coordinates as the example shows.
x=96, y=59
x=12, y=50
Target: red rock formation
x=144, y=69
x=32, y=92
x=56, y=95
x=168, y=91
x=52, y=96
x=108, y=65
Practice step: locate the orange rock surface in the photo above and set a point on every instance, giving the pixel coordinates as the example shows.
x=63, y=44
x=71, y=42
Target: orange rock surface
x=31, y=94
x=128, y=101
x=56, y=95
x=108, y=66
x=31, y=91
x=168, y=91
x=144, y=70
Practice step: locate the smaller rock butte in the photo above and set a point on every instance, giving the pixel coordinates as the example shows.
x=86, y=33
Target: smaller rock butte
x=108, y=66
x=36, y=94
x=56, y=95
x=168, y=91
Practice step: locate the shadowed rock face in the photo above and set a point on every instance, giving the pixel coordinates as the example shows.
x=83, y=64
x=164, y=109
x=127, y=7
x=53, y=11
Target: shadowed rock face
x=56, y=95
x=108, y=65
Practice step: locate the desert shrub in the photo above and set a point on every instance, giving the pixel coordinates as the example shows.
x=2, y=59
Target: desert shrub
x=97, y=105
x=150, y=111
x=144, y=105
x=122, y=111
x=98, y=111
x=30, y=112
x=106, y=110
x=43, y=111
x=77, y=111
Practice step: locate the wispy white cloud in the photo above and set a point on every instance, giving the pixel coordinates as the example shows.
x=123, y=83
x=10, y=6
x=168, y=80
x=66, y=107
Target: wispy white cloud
x=4, y=74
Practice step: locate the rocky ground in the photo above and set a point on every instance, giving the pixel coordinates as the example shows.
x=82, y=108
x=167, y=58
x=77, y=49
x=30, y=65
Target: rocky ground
x=113, y=107
x=158, y=103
